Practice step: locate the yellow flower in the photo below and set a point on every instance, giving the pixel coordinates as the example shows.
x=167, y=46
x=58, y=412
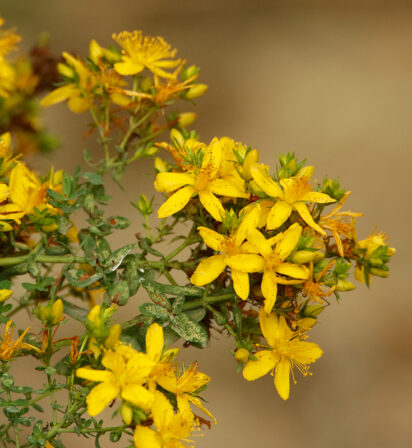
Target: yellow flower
x=203, y=180
x=8, y=40
x=6, y=154
x=155, y=351
x=8, y=210
x=273, y=261
x=78, y=93
x=172, y=429
x=126, y=372
x=286, y=349
x=233, y=255
x=26, y=191
x=185, y=387
x=369, y=245
x=5, y=294
x=140, y=52
x=294, y=193
x=8, y=347
x=333, y=222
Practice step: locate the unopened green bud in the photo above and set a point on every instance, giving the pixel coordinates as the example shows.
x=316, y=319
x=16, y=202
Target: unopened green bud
x=305, y=256
x=146, y=84
x=144, y=205
x=379, y=272
x=312, y=310
x=344, y=285
x=177, y=139
x=151, y=151
x=196, y=91
x=376, y=262
x=189, y=72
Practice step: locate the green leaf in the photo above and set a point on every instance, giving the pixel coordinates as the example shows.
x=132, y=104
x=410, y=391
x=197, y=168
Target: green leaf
x=178, y=303
x=119, y=293
x=74, y=311
x=118, y=222
x=116, y=258
x=154, y=293
x=189, y=330
x=80, y=278
x=196, y=314
x=132, y=274
x=153, y=310
x=170, y=336
x=237, y=318
x=93, y=178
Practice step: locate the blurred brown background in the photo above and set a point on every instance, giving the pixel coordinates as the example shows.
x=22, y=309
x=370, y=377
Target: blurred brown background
x=331, y=81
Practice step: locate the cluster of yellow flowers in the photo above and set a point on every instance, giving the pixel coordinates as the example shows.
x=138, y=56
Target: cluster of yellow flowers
x=133, y=377
x=272, y=235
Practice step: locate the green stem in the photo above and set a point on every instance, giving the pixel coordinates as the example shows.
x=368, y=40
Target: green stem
x=12, y=261
x=203, y=301
x=14, y=424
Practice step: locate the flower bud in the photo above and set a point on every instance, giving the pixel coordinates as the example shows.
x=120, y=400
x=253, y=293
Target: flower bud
x=114, y=335
x=305, y=256
x=146, y=84
x=127, y=413
x=144, y=205
x=5, y=294
x=379, y=272
x=196, y=91
x=306, y=171
x=95, y=51
x=177, y=139
x=65, y=70
x=189, y=72
x=186, y=119
x=57, y=311
x=251, y=158
x=120, y=99
x=151, y=151
x=160, y=165
x=344, y=285
x=242, y=355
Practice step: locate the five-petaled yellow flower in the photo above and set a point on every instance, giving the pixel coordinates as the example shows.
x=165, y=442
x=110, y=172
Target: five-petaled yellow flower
x=185, y=387
x=273, y=261
x=234, y=255
x=140, y=52
x=8, y=347
x=172, y=429
x=125, y=374
x=203, y=181
x=286, y=350
x=294, y=193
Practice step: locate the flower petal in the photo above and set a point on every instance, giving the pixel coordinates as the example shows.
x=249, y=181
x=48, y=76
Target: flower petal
x=212, y=158
x=269, y=290
x=114, y=362
x=94, y=375
x=162, y=412
x=246, y=262
x=288, y=241
x=100, y=397
x=303, y=211
x=145, y=437
x=249, y=221
x=258, y=240
x=58, y=95
x=154, y=342
x=279, y=213
x=256, y=369
x=208, y=270
x=225, y=188
x=265, y=182
x=137, y=395
x=269, y=324
x=282, y=374
x=78, y=104
x=293, y=270
x=176, y=202
x=127, y=67
x=211, y=238
x=168, y=182
x=319, y=198
x=241, y=283
x=212, y=204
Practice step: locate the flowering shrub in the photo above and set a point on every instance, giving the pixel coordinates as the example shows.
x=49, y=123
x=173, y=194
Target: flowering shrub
x=262, y=252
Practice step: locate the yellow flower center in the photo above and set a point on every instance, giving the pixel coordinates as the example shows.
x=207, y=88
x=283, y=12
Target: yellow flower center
x=202, y=180
x=229, y=246
x=273, y=261
x=297, y=188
